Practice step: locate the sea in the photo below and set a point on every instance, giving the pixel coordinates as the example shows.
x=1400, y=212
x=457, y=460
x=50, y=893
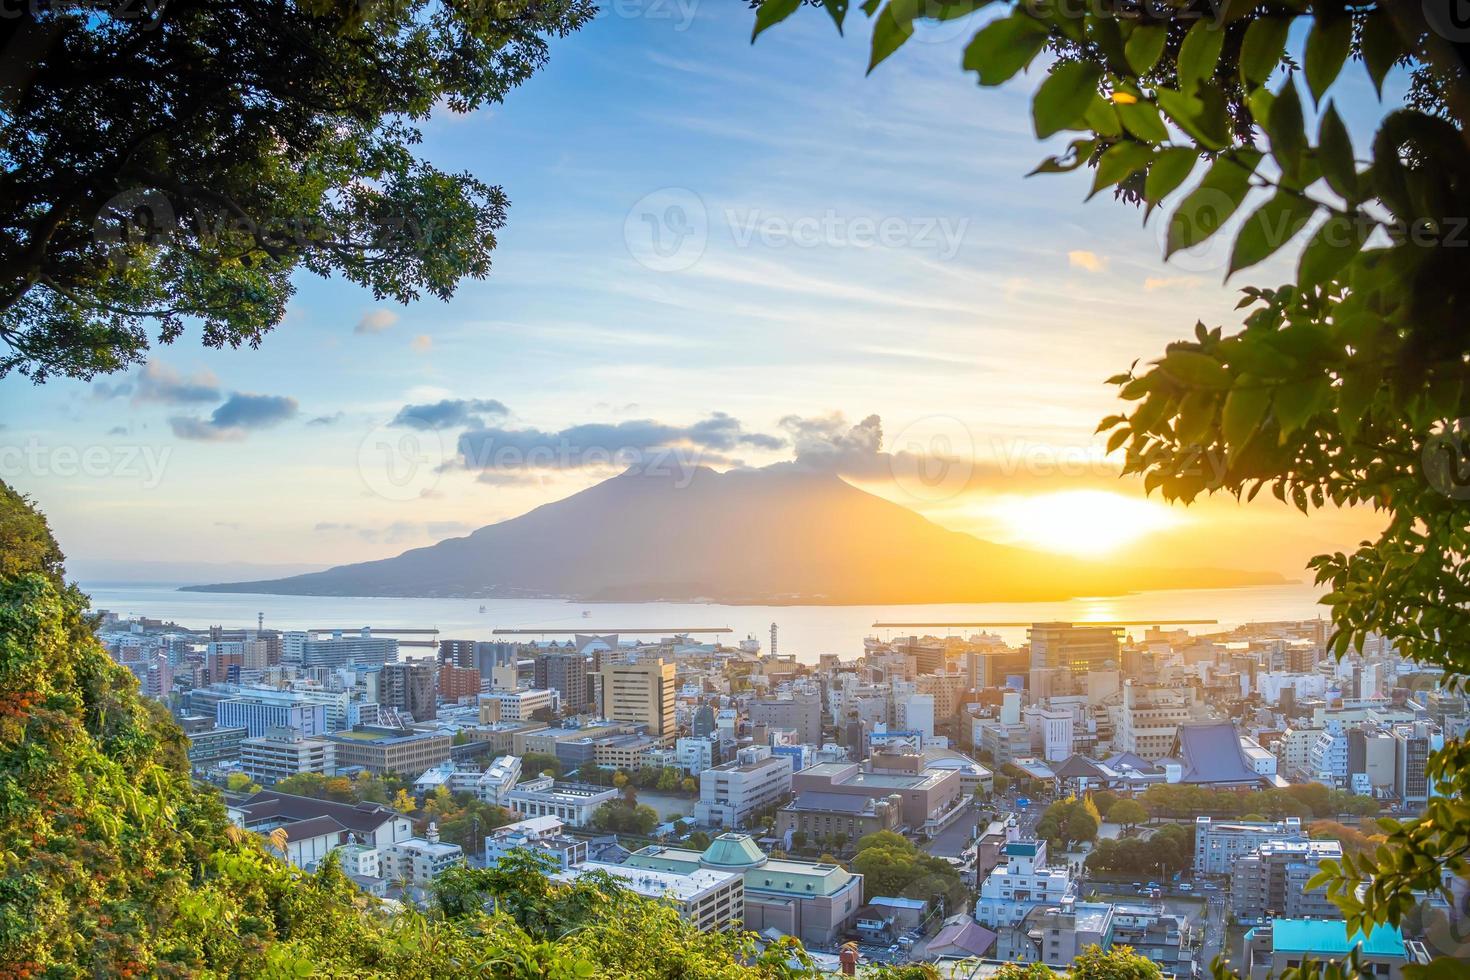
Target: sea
x=804, y=631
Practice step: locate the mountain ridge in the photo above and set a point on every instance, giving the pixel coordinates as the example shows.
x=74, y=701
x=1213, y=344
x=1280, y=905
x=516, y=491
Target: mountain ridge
x=778, y=535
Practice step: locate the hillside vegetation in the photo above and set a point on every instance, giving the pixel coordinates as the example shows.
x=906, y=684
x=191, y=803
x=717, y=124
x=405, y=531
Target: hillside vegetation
x=116, y=865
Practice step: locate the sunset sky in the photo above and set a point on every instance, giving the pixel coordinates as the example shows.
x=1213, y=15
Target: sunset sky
x=744, y=252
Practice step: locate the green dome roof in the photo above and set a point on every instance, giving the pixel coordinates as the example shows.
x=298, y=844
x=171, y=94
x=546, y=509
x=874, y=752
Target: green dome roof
x=733, y=851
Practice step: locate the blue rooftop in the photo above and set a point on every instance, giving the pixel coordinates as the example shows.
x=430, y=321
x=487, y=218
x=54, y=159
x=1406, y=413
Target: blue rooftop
x=1329, y=938
x=1026, y=849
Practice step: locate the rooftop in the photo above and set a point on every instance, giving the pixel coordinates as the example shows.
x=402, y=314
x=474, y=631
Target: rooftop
x=1329, y=937
x=655, y=884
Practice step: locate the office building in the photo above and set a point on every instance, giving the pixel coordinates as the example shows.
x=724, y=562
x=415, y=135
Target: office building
x=1218, y=844
x=708, y=899
x=800, y=712
x=380, y=750
x=258, y=710
x=213, y=746
x=284, y=752
x=835, y=816
x=641, y=693
x=571, y=803
x=1078, y=649
x=930, y=797
x=730, y=794
x=456, y=683
x=813, y=901
x=516, y=705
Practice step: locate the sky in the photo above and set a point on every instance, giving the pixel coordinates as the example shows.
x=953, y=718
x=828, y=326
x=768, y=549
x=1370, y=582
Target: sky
x=750, y=253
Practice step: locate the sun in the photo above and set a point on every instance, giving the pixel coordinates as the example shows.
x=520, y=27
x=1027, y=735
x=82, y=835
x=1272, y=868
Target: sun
x=1080, y=522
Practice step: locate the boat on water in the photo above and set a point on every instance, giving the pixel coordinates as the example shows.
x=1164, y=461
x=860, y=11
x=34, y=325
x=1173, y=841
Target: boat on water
x=482, y=608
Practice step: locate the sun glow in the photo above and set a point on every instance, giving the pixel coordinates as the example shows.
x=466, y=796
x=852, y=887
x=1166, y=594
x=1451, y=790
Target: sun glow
x=1080, y=522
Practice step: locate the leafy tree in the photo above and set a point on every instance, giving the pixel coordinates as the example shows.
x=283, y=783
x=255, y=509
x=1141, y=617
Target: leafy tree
x=1129, y=813
x=1104, y=799
x=1345, y=386
x=404, y=802
x=1001, y=782
x=798, y=839
x=177, y=162
x=540, y=763
x=1081, y=826
x=238, y=782
x=892, y=865
x=688, y=785
x=699, y=841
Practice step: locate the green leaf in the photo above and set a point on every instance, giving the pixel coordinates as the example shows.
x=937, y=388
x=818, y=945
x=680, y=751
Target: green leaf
x=1327, y=49
x=1144, y=46
x=1381, y=46
x=1335, y=154
x=1142, y=120
x=1063, y=98
x=1102, y=119
x=1271, y=226
x=1211, y=204
x=1077, y=154
x=1169, y=170
x=1245, y=406
x=891, y=29
x=1195, y=369
x=1120, y=160
x=1260, y=52
x=837, y=10
x=1298, y=401
x=1332, y=247
x=1208, y=125
x=1003, y=47
x=1199, y=54
x=772, y=12
x=1287, y=130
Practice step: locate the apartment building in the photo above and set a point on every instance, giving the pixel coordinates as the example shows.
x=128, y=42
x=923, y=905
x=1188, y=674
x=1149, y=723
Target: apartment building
x=338, y=649
x=417, y=861
x=517, y=705
x=566, y=673
x=1012, y=889
x=411, y=687
x=540, y=835
x=1271, y=881
x=800, y=711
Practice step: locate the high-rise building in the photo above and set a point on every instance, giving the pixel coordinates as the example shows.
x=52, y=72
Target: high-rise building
x=566, y=673
x=411, y=687
x=458, y=682
x=340, y=649
x=1074, y=647
x=641, y=693
x=801, y=712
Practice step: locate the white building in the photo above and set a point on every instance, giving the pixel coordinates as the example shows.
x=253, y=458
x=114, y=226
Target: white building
x=516, y=705
x=1217, y=844
x=1052, y=732
x=498, y=780
x=284, y=752
x=730, y=793
x=708, y=899
x=915, y=713
x=1262, y=761
x=416, y=862
x=1022, y=883
x=697, y=753
x=573, y=803
x=540, y=835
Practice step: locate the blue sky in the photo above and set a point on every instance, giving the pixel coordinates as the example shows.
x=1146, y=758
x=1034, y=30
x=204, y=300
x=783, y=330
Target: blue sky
x=870, y=247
